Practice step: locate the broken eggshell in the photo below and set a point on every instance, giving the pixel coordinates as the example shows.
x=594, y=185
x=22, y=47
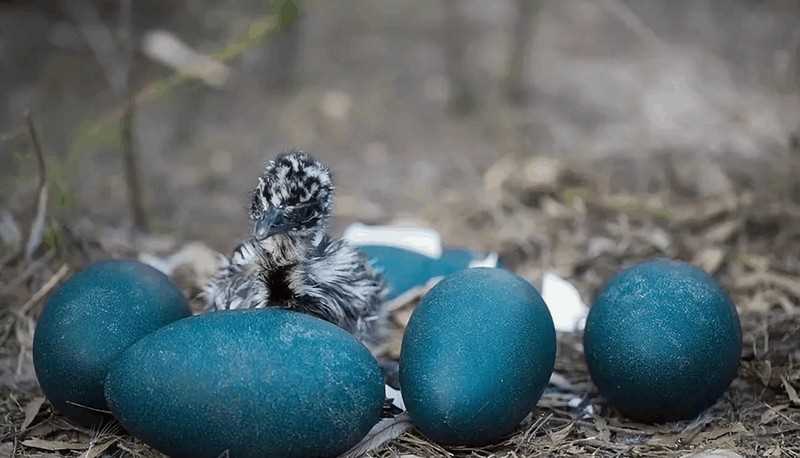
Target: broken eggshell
x=405, y=269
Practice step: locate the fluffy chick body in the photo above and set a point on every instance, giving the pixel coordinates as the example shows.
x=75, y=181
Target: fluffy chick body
x=302, y=268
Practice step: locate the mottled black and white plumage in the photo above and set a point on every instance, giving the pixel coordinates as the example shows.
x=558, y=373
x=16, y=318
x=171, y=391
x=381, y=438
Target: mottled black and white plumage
x=291, y=262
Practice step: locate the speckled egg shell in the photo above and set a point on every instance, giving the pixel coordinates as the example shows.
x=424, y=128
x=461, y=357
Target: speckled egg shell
x=662, y=341
x=476, y=356
x=257, y=383
x=89, y=321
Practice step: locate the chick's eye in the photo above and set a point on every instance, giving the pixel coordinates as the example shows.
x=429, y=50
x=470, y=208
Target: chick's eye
x=305, y=213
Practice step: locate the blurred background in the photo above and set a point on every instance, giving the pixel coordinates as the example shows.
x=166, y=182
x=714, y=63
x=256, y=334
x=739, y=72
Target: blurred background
x=409, y=101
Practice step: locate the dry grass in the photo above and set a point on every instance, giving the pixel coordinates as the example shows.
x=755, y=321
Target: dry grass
x=581, y=220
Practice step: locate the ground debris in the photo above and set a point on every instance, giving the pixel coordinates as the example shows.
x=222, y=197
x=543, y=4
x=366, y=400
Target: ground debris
x=569, y=220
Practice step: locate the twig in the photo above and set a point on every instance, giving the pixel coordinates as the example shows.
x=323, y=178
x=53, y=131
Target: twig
x=131, y=161
x=93, y=409
x=410, y=296
x=462, y=99
x=44, y=290
x=37, y=227
x=129, y=153
x=521, y=39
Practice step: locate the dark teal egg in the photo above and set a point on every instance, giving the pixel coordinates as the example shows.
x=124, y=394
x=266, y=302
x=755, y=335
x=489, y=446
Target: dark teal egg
x=254, y=383
x=662, y=341
x=89, y=321
x=476, y=356
x=405, y=269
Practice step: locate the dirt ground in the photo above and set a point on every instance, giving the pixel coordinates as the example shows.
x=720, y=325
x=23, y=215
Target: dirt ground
x=641, y=129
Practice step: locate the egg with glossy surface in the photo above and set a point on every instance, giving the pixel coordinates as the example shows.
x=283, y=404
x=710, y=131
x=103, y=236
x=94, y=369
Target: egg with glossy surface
x=255, y=383
x=476, y=356
x=662, y=341
x=89, y=321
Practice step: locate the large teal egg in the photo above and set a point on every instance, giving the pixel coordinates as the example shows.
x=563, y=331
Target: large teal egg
x=476, y=356
x=662, y=341
x=254, y=383
x=89, y=321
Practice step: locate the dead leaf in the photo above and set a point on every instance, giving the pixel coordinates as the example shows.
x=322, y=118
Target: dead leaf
x=52, y=446
x=168, y=49
x=394, y=346
x=771, y=413
x=542, y=173
x=559, y=436
x=662, y=440
x=7, y=449
x=709, y=259
x=402, y=316
x=31, y=409
x=43, y=428
x=791, y=392
x=601, y=425
x=386, y=430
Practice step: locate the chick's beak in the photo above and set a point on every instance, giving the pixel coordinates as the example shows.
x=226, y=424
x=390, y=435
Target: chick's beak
x=268, y=225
